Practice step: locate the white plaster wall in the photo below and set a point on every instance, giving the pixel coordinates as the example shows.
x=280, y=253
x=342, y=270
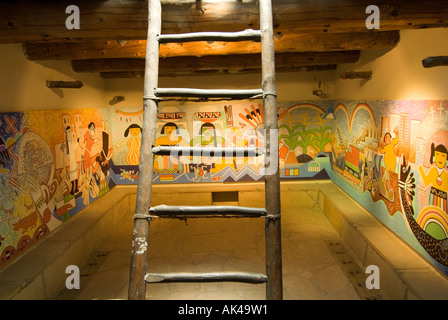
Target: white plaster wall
x=399, y=74
x=23, y=84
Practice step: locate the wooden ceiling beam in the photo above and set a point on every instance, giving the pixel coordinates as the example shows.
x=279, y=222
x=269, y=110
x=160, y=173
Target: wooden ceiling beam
x=322, y=42
x=217, y=71
x=245, y=63
x=44, y=20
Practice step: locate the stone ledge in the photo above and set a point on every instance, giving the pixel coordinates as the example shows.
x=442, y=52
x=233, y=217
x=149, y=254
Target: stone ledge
x=40, y=273
x=404, y=273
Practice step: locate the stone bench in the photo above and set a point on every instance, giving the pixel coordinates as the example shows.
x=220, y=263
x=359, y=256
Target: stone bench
x=404, y=273
x=40, y=273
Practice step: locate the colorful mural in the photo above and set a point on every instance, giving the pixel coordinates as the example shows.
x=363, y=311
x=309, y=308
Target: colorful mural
x=390, y=156
x=52, y=164
x=304, y=142
x=55, y=163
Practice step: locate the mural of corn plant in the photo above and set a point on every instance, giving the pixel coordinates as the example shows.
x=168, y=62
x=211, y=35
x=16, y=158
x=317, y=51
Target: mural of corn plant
x=296, y=128
x=291, y=139
x=322, y=137
x=308, y=139
x=299, y=133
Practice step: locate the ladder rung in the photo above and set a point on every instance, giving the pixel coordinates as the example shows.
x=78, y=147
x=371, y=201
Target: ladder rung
x=209, y=93
x=211, y=152
x=248, y=277
x=165, y=211
x=246, y=35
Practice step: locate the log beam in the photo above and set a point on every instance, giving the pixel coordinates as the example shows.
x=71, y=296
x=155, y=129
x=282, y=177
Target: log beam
x=232, y=63
x=366, y=75
x=65, y=84
x=140, y=74
x=44, y=20
x=323, y=42
x=439, y=61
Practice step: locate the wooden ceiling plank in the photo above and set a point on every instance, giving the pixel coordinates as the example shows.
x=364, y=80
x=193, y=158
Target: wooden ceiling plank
x=323, y=42
x=44, y=20
x=213, y=63
x=179, y=73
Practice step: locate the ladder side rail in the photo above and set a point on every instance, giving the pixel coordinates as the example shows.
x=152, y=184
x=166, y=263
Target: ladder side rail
x=274, y=287
x=137, y=284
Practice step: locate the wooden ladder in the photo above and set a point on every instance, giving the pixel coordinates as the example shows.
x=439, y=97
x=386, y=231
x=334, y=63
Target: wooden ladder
x=144, y=212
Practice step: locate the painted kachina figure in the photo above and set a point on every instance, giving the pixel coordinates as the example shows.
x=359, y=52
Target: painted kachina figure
x=437, y=176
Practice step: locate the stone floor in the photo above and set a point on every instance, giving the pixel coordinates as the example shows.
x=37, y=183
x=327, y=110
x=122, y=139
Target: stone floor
x=315, y=264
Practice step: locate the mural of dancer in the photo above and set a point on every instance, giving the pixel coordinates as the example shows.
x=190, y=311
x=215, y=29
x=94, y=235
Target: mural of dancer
x=89, y=141
x=437, y=177
x=390, y=160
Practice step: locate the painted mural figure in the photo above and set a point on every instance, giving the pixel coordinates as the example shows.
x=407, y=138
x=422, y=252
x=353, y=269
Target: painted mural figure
x=171, y=137
x=71, y=144
x=106, y=154
x=134, y=144
x=207, y=138
x=390, y=159
x=89, y=140
x=103, y=158
x=437, y=177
